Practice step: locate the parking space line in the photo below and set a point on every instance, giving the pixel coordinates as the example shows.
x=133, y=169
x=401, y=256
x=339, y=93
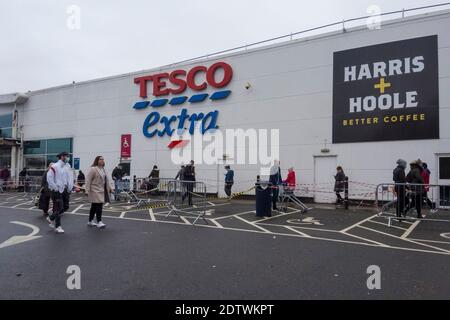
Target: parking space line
x=299, y=232
x=431, y=241
x=122, y=214
x=152, y=216
x=186, y=221
x=306, y=228
x=368, y=240
x=277, y=216
x=20, y=204
x=407, y=240
x=252, y=224
x=410, y=229
x=232, y=215
x=216, y=223
x=77, y=208
x=358, y=223
x=383, y=224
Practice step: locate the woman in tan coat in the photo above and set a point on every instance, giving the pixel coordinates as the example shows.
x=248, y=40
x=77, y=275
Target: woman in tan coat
x=98, y=190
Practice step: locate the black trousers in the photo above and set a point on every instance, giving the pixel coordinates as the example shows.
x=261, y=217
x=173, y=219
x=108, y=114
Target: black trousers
x=417, y=203
x=44, y=201
x=275, y=194
x=189, y=187
x=338, y=197
x=228, y=187
x=401, y=197
x=96, y=210
x=60, y=205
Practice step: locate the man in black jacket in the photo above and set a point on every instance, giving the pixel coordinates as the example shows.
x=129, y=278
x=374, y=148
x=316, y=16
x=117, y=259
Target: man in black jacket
x=400, y=180
x=416, y=188
x=189, y=177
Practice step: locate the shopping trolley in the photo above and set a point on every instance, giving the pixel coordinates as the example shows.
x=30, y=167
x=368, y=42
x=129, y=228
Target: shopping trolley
x=287, y=197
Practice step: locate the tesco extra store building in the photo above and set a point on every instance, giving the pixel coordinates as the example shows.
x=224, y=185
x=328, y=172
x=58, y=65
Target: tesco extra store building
x=358, y=98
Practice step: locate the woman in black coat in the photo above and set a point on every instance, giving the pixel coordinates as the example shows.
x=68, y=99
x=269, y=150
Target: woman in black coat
x=339, y=184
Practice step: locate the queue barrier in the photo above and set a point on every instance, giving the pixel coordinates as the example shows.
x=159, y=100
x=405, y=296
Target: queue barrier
x=187, y=198
x=398, y=201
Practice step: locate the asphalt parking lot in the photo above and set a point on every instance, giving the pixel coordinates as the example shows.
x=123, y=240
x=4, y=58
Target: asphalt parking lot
x=143, y=254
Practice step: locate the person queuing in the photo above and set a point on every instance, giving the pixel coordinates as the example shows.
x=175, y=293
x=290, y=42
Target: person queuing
x=339, y=184
x=290, y=181
x=426, y=173
x=229, y=180
x=180, y=173
x=60, y=182
x=153, y=178
x=275, y=180
x=98, y=190
x=117, y=176
x=81, y=179
x=399, y=177
x=189, y=177
x=4, y=177
x=416, y=188
x=46, y=193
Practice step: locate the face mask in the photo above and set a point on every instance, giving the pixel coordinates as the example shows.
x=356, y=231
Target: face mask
x=67, y=160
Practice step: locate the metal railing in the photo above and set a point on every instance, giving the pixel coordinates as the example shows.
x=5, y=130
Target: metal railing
x=188, y=198
x=290, y=36
x=406, y=201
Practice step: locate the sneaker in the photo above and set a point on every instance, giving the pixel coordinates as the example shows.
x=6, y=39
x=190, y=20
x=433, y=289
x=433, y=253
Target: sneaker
x=51, y=224
x=59, y=230
x=101, y=225
x=91, y=224
x=433, y=211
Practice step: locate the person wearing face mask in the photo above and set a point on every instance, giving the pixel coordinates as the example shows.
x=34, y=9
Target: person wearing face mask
x=60, y=182
x=229, y=180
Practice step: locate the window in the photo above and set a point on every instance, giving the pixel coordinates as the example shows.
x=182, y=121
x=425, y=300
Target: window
x=55, y=146
x=6, y=126
x=444, y=168
x=39, y=153
x=35, y=147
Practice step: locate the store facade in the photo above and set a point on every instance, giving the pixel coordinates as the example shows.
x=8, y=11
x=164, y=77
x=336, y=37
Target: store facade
x=360, y=99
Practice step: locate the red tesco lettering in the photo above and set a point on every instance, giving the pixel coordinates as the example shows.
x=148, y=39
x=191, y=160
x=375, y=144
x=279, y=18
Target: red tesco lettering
x=181, y=80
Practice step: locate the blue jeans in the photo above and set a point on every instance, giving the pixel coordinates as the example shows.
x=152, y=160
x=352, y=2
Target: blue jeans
x=116, y=189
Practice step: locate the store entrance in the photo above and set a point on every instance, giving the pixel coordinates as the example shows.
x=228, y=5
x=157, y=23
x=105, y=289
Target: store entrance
x=444, y=180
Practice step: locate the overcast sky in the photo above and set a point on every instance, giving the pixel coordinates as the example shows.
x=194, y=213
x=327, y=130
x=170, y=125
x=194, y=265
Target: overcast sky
x=41, y=45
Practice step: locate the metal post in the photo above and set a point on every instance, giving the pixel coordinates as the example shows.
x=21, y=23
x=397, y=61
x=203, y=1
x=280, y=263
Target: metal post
x=346, y=193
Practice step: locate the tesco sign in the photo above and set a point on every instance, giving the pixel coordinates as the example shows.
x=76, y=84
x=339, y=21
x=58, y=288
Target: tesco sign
x=168, y=88
x=180, y=80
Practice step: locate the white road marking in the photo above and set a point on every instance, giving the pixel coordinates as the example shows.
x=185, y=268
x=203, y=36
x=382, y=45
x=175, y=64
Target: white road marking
x=185, y=220
x=20, y=204
x=411, y=229
x=287, y=235
x=368, y=240
x=216, y=223
x=122, y=214
x=20, y=239
x=277, y=216
x=77, y=208
x=152, y=215
x=358, y=223
x=233, y=215
x=383, y=224
x=299, y=232
x=408, y=240
x=252, y=224
x=431, y=241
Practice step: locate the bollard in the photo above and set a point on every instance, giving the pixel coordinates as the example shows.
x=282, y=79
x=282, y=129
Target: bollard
x=134, y=183
x=346, y=193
